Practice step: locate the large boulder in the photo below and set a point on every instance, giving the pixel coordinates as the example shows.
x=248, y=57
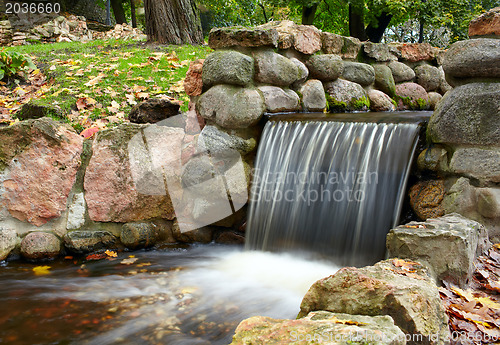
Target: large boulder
x=39, y=160
x=398, y=288
x=305, y=39
x=122, y=183
x=384, y=81
x=228, y=67
x=232, y=106
x=325, y=67
x=239, y=36
x=477, y=58
x=279, y=100
x=486, y=25
x=379, y=101
x=275, y=69
x=40, y=245
x=357, y=72
x=478, y=163
x=343, y=95
x=448, y=246
x=411, y=96
x=429, y=77
x=8, y=241
x=313, y=96
x=426, y=198
x=467, y=115
x=320, y=327
x=153, y=110
x=86, y=241
x=401, y=72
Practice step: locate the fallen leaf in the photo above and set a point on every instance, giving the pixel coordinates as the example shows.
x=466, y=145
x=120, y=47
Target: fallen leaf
x=111, y=253
x=128, y=261
x=89, y=132
x=41, y=270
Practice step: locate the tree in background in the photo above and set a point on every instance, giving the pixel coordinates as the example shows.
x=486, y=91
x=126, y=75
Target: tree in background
x=173, y=22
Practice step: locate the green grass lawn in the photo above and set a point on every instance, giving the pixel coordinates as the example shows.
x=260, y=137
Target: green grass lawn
x=97, y=83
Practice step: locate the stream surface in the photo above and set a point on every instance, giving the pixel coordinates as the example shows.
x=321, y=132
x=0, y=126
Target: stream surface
x=196, y=295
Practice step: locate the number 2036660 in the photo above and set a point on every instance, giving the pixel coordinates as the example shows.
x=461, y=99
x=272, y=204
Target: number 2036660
x=32, y=8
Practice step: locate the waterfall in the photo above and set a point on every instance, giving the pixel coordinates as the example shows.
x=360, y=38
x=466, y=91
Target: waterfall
x=331, y=188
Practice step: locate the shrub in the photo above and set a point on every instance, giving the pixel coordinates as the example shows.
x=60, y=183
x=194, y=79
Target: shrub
x=12, y=63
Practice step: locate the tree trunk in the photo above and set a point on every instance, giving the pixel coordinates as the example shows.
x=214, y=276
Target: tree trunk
x=421, y=32
x=308, y=14
x=118, y=11
x=375, y=34
x=357, y=22
x=173, y=22
x=132, y=13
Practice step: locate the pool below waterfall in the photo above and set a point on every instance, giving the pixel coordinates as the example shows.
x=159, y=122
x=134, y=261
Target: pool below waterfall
x=194, y=295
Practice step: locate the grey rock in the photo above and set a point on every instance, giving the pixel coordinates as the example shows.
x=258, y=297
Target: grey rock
x=401, y=72
x=434, y=99
x=40, y=245
x=303, y=71
x=347, y=47
x=228, y=67
x=8, y=241
x=476, y=58
x=230, y=237
x=275, y=69
x=86, y=241
x=379, y=101
x=326, y=67
x=488, y=202
x=344, y=95
x=279, y=100
x=153, y=110
x=433, y=159
x=357, y=72
x=201, y=235
x=32, y=110
x=320, y=327
x=313, y=96
x=468, y=115
x=429, y=77
x=220, y=143
x=461, y=198
x=481, y=164
x=444, y=87
x=76, y=212
x=242, y=37
x=384, y=80
x=448, y=246
x=232, y=106
x=384, y=289
x=380, y=52
x=139, y=235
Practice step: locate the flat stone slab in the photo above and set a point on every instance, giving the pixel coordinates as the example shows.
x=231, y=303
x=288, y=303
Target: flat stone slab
x=447, y=245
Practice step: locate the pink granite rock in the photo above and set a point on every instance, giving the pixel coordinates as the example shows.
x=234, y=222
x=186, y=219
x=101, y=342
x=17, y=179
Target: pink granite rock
x=414, y=52
x=411, y=96
x=38, y=164
x=193, y=84
x=124, y=180
x=486, y=25
x=40, y=245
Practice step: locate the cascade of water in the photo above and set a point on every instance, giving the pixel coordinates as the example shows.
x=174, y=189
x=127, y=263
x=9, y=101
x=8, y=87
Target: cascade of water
x=333, y=188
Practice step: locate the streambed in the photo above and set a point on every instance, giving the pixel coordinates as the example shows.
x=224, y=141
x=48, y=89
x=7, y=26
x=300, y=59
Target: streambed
x=195, y=295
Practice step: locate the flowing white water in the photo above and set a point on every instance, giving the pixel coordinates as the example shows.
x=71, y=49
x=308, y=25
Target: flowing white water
x=200, y=299
x=333, y=188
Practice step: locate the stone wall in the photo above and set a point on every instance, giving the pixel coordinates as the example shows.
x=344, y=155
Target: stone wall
x=284, y=67
x=464, y=131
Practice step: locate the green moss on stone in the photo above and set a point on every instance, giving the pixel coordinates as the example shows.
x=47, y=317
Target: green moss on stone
x=335, y=106
x=360, y=103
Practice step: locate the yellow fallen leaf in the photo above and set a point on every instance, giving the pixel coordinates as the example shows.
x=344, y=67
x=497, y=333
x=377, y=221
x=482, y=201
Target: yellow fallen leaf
x=487, y=302
x=128, y=261
x=111, y=253
x=41, y=270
